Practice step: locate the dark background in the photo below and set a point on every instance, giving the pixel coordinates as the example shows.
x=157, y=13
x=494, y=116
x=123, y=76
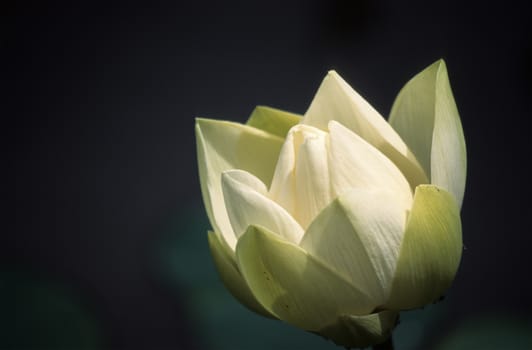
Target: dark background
x=103, y=230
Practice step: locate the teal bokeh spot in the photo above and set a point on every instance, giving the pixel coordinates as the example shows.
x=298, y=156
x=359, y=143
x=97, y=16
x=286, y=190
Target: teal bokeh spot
x=490, y=332
x=38, y=314
x=416, y=326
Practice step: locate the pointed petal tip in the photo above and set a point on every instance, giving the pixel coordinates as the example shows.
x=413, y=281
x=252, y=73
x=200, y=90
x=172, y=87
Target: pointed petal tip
x=247, y=203
x=333, y=74
x=273, y=120
x=437, y=68
x=238, y=177
x=442, y=66
x=335, y=126
x=201, y=120
x=332, y=124
x=197, y=124
x=436, y=64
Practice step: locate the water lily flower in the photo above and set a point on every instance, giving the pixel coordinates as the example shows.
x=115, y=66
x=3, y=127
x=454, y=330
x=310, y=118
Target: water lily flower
x=337, y=220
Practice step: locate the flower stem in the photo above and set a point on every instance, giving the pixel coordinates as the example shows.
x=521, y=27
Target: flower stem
x=387, y=345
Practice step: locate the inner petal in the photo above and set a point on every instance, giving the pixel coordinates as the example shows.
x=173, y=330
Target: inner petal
x=313, y=186
x=357, y=164
x=301, y=182
x=248, y=204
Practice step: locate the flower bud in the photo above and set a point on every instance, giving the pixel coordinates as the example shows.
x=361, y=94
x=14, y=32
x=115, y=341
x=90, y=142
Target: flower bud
x=337, y=220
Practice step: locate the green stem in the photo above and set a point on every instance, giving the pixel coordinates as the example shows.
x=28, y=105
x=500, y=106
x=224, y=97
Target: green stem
x=387, y=345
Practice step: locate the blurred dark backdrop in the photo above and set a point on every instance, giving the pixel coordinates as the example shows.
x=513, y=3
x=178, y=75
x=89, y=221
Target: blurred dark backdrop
x=103, y=229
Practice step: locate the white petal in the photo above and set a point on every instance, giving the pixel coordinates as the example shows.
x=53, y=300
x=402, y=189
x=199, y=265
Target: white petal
x=224, y=145
x=354, y=163
x=283, y=186
x=247, y=204
x=313, y=186
x=301, y=180
x=359, y=235
x=336, y=100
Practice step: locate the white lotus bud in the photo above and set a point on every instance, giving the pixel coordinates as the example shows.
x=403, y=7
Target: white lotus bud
x=337, y=220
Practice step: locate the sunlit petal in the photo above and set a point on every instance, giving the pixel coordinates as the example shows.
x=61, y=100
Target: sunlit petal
x=247, y=203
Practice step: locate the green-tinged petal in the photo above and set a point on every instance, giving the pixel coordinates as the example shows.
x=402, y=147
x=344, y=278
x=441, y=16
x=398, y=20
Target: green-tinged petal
x=231, y=277
x=354, y=163
x=247, y=204
x=272, y=120
x=222, y=146
x=336, y=100
x=361, y=331
x=359, y=235
x=293, y=285
x=425, y=115
x=430, y=252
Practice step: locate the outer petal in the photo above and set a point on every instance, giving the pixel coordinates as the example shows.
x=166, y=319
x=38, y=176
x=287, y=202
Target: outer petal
x=247, y=204
x=362, y=331
x=359, y=235
x=293, y=285
x=224, y=145
x=231, y=277
x=430, y=252
x=354, y=163
x=425, y=115
x=272, y=120
x=336, y=100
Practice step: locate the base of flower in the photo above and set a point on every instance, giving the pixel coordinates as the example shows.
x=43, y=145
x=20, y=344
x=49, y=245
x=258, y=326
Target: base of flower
x=387, y=345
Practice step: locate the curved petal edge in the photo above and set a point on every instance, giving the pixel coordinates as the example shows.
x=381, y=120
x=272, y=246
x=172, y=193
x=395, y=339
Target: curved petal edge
x=221, y=146
x=430, y=252
x=226, y=266
x=293, y=285
x=425, y=115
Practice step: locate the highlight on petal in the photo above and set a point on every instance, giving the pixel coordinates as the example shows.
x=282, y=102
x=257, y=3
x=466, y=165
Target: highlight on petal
x=336, y=100
x=430, y=252
x=313, y=186
x=425, y=115
x=358, y=235
x=293, y=285
x=301, y=181
x=283, y=187
x=225, y=263
x=247, y=203
x=362, y=331
x=223, y=145
x=354, y=163
x=272, y=120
